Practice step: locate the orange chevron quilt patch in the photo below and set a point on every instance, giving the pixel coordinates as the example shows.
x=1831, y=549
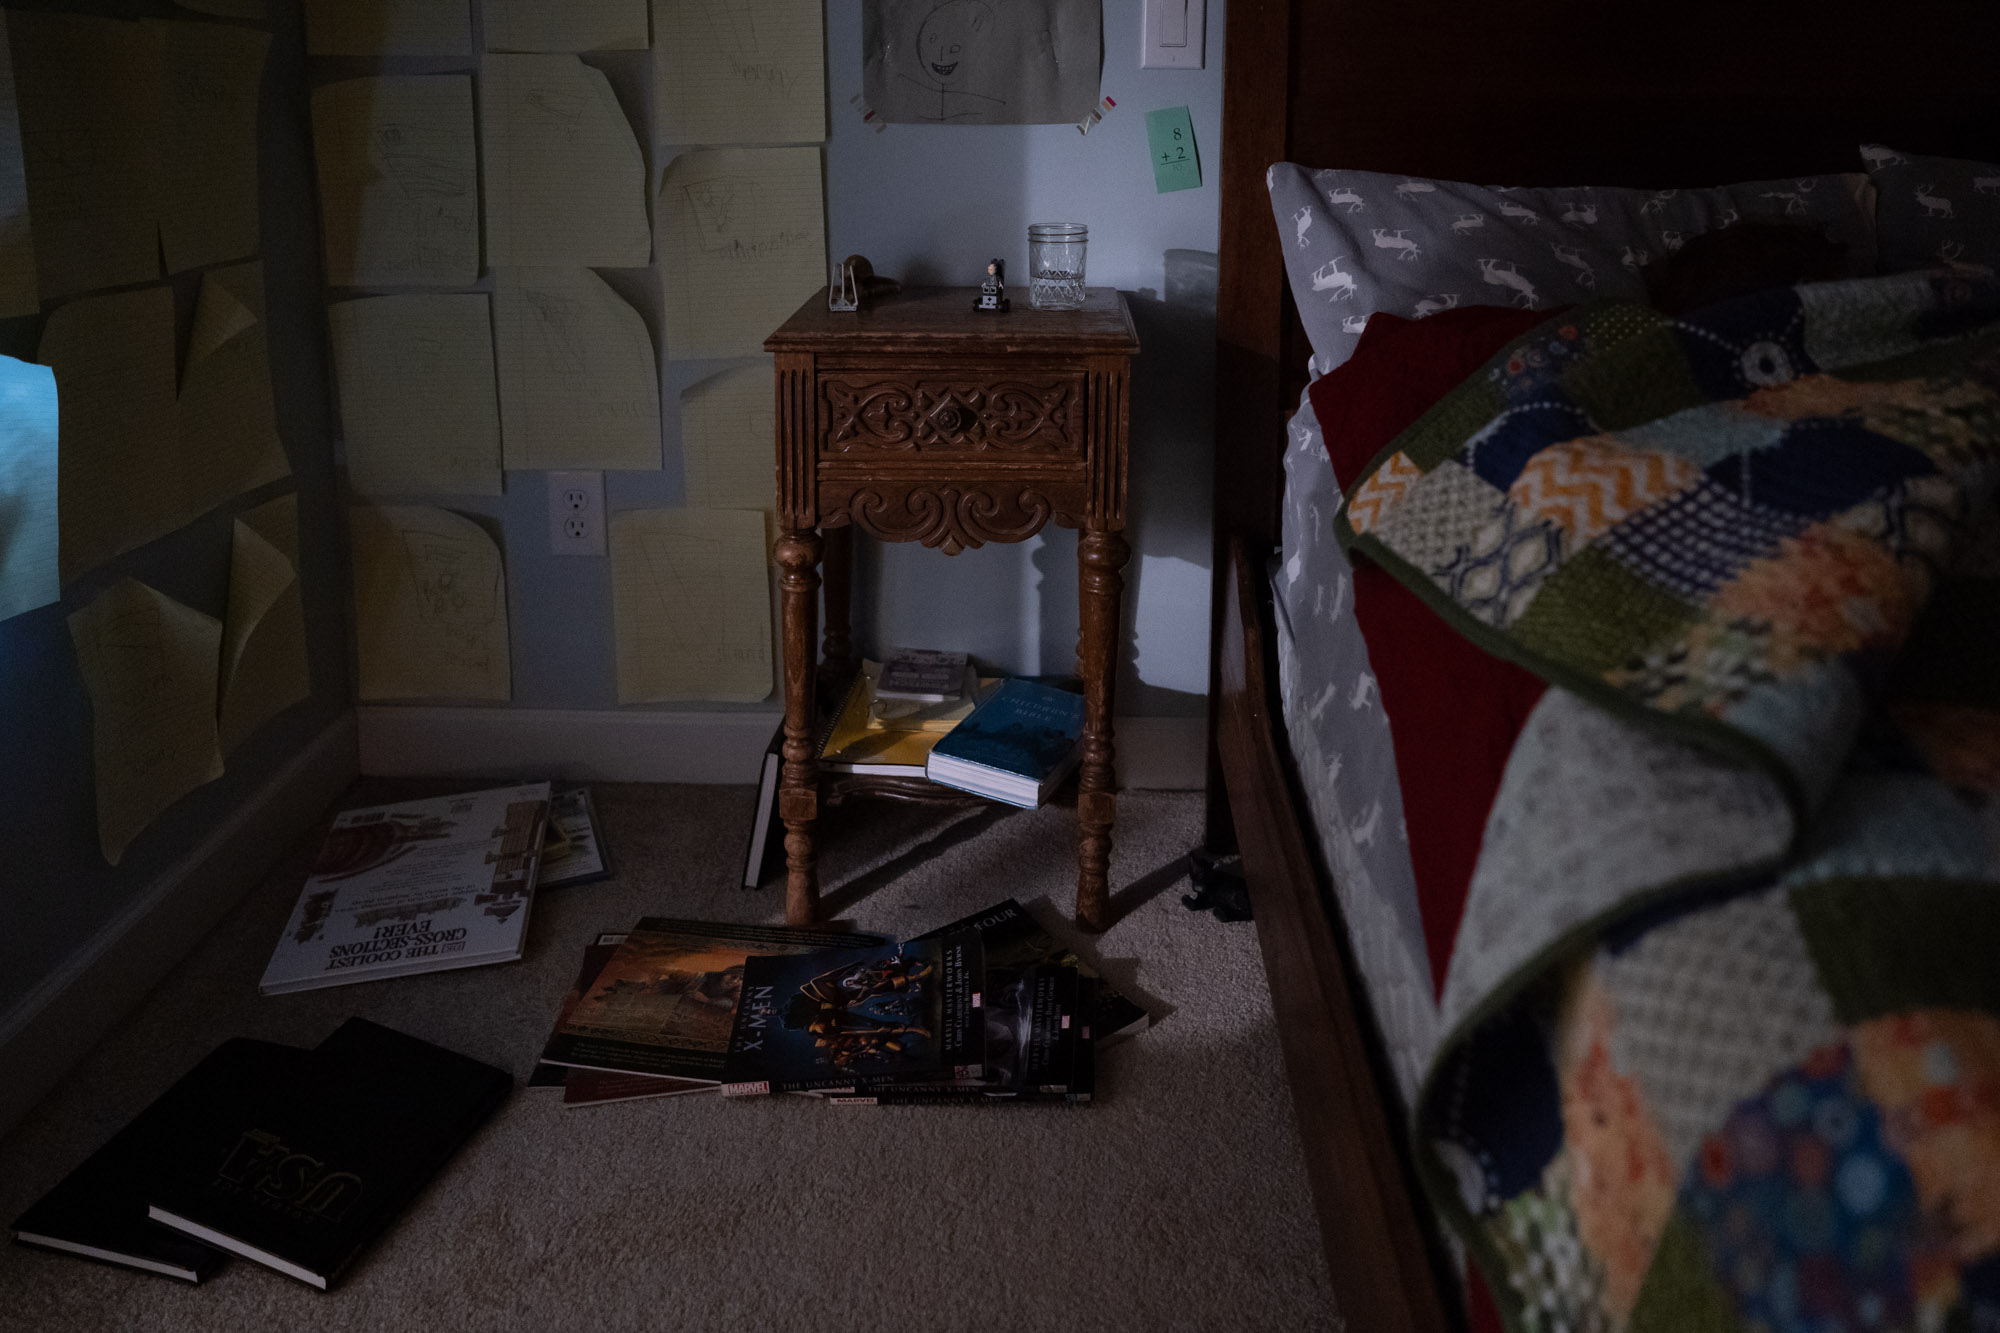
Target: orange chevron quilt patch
x=1382, y=492
x=1587, y=486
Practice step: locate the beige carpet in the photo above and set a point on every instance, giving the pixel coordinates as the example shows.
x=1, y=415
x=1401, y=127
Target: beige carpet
x=1177, y=1201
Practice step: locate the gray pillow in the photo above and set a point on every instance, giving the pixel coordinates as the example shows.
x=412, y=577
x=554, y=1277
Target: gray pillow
x=1934, y=211
x=1357, y=242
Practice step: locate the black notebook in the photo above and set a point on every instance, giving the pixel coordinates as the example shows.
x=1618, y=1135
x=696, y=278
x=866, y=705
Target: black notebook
x=302, y=1173
x=99, y=1209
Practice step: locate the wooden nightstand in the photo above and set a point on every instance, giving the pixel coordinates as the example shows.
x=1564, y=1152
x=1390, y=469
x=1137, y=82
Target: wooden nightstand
x=918, y=419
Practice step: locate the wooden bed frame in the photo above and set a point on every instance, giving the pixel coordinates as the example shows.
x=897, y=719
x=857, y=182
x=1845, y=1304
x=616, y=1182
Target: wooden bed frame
x=1526, y=92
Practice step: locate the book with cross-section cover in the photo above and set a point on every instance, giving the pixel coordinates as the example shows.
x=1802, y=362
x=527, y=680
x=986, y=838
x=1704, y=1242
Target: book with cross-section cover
x=849, y=1020
x=416, y=887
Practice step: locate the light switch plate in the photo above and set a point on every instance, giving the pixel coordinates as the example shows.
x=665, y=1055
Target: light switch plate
x=576, y=513
x=1171, y=32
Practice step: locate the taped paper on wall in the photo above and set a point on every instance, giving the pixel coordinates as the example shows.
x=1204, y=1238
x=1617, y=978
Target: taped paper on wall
x=565, y=180
x=138, y=460
x=573, y=25
x=579, y=381
x=19, y=293
x=430, y=605
x=227, y=425
x=388, y=27
x=208, y=141
x=729, y=427
x=398, y=180
x=975, y=62
x=264, y=667
x=113, y=357
x=228, y=9
x=691, y=595
x=29, y=575
x=150, y=665
x=740, y=71
x=742, y=245
x=417, y=399
x=89, y=92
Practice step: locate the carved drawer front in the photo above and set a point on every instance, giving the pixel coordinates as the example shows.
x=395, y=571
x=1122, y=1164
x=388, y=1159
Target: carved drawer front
x=996, y=411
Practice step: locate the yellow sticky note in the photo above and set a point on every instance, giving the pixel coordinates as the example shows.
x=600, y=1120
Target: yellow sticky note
x=388, y=27
x=417, y=400
x=565, y=180
x=137, y=459
x=740, y=73
x=226, y=423
x=579, y=380
x=691, y=597
x=573, y=25
x=89, y=93
x=430, y=605
x=264, y=666
x=207, y=169
x=228, y=9
x=113, y=358
x=150, y=665
x=19, y=292
x=398, y=180
x=728, y=434
x=29, y=575
x=742, y=245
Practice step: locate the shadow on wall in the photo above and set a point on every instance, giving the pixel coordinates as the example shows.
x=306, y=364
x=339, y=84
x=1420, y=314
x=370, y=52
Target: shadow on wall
x=1164, y=654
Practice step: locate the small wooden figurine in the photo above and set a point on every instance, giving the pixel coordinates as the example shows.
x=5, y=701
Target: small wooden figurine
x=993, y=291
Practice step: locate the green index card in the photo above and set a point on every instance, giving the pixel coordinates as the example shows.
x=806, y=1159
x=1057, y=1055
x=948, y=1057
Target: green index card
x=1170, y=140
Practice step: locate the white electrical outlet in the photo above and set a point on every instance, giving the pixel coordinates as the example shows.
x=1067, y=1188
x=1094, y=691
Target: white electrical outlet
x=576, y=513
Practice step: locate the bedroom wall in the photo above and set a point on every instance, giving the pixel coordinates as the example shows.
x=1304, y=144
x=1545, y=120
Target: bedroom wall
x=59, y=894
x=931, y=205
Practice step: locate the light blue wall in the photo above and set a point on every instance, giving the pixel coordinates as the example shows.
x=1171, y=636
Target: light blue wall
x=56, y=891
x=931, y=205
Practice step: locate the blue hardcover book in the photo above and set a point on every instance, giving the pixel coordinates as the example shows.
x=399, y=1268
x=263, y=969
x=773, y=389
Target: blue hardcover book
x=1015, y=747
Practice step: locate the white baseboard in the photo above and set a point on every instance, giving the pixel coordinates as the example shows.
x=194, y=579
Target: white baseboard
x=603, y=745
x=58, y=1022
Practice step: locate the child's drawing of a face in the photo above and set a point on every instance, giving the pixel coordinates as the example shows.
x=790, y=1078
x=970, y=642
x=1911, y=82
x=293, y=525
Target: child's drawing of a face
x=947, y=36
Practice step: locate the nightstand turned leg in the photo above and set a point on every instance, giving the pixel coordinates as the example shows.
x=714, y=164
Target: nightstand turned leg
x=1100, y=558
x=798, y=791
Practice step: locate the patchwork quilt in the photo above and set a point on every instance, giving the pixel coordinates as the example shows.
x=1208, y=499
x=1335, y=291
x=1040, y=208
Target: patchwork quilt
x=1721, y=1029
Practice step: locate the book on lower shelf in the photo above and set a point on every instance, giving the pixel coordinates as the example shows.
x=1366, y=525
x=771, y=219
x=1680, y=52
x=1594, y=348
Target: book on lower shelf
x=1017, y=746
x=922, y=674
x=850, y=1019
x=420, y=886
x=300, y=1165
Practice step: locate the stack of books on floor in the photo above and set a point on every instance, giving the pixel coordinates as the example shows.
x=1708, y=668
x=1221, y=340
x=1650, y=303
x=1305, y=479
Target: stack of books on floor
x=928, y=716
x=989, y=1010
x=297, y=1159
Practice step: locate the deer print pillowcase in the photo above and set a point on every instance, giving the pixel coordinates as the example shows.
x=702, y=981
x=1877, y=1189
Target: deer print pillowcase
x=1358, y=241
x=1934, y=212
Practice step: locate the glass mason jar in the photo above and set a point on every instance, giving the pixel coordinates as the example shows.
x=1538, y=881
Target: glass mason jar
x=1055, y=265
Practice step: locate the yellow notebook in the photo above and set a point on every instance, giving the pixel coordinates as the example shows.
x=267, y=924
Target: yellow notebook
x=852, y=745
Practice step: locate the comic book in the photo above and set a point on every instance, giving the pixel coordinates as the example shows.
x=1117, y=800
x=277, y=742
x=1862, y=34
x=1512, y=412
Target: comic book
x=1013, y=938
x=664, y=1002
x=850, y=1020
x=1038, y=1047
